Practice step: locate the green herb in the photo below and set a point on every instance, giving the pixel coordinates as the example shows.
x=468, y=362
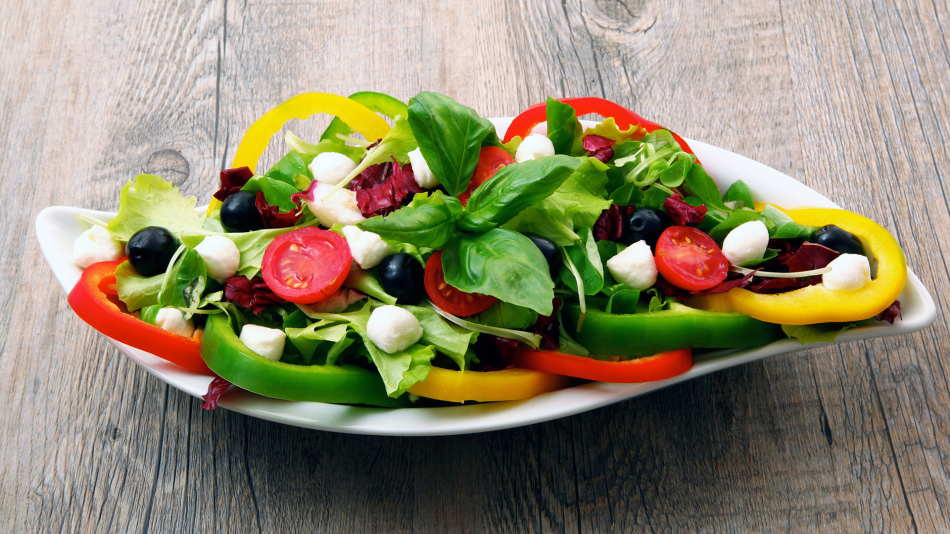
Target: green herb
x=739, y=193
x=428, y=222
x=450, y=138
x=563, y=126
x=514, y=188
x=503, y=264
x=781, y=226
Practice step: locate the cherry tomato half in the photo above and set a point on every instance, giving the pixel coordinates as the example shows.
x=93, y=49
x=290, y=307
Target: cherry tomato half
x=490, y=159
x=447, y=297
x=689, y=259
x=306, y=265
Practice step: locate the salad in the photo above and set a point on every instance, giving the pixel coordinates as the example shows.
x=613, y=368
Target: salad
x=424, y=260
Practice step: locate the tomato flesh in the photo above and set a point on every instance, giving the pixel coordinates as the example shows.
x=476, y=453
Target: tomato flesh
x=689, y=259
x=490, y=159
x=306, y=265
x=449, y=298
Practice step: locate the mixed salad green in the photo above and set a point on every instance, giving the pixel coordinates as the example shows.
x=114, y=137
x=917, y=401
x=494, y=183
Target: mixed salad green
x=432, y=260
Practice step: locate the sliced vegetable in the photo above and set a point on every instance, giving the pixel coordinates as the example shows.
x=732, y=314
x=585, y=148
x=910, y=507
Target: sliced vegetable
x=230, y=359
x=94, y=301
x=522, y=125
x=646, y=334
x=487, y=386
x=817, y=303
x=689, y=259
x=306, y=265
x=646, y=369
x=448, y=298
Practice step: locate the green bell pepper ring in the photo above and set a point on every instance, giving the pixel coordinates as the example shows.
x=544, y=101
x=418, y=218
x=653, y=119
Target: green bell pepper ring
x=378, y=102
x=645, y=334
x=230, y=359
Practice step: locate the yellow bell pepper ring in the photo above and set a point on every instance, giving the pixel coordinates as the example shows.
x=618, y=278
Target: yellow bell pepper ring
x=487, y=386
x=357, y=116
x=818, y=304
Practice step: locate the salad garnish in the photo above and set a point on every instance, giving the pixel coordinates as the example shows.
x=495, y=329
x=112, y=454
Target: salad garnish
x=435, y=261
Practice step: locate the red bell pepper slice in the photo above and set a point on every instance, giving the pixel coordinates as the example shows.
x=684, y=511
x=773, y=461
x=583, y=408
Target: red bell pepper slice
x=649, y=369
x=97, y=305
x=522, y=125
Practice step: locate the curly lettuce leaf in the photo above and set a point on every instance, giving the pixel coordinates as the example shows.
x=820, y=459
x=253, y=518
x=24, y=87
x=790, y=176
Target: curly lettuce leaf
x=151, y=201
x=576, y=204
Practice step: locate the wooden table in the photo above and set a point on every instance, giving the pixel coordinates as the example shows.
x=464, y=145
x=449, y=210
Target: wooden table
x=852, y=98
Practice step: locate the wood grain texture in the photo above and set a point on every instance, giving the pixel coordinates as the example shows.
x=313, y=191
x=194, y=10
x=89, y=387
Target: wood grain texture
x=850, y=97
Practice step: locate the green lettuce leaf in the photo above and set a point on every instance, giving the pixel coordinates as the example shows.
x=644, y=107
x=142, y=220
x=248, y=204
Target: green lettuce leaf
x=135, y=290
x=151, y=201
x=576, y=204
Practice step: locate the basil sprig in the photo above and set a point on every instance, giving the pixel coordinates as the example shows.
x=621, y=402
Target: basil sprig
x=450, y=137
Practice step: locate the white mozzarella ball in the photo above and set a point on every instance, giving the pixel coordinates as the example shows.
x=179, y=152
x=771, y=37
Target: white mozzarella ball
x=393, y=329
x=95, y=245
x=848, y=272
x=533, y=147
x=221, y=256
x=748, y=241
x=173, y=320
x=367, y=248
x=339, y=208
x=268, y=342
x=421, y=171
x=634, y=266
x=331, y=167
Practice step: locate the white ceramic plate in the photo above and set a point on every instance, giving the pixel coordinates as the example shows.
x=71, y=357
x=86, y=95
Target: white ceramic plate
x=56, y=229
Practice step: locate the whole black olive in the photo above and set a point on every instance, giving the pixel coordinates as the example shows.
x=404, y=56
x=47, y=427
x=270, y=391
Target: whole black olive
x=549, y=250
x=644, y=224
x=403, y=277
x=838, y=239
x=150, y=249
x=239, y=213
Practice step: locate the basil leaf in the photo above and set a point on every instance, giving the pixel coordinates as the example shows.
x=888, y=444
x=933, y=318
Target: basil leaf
x=700, y=184
x=739, y=193
x=783, y=227
x=429, y=223
x=514, y=188
x=563, y=127
x=503, y=264
x=450, y=138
